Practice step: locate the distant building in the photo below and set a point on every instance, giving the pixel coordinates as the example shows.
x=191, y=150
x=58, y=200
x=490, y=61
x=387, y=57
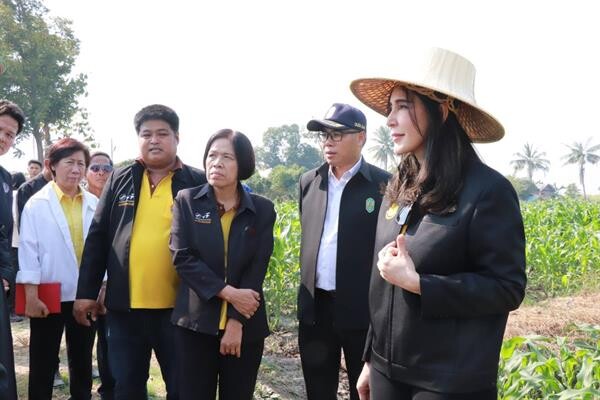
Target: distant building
x=548, y=192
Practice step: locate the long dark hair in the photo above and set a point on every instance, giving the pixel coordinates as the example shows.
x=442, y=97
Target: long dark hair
x=435, y=185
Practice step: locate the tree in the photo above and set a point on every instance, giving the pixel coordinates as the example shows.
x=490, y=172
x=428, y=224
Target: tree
x=383, y=149
x=283, y=146
x=281, y=184
x=531, y=160
x=581, y=154
x=40, y=53
x=572, y=191
x=284, y=181
x=523, y=186
x=259, y=185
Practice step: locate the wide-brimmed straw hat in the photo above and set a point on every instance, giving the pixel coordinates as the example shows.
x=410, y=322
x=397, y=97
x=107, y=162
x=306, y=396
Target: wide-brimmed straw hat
x=443, y=76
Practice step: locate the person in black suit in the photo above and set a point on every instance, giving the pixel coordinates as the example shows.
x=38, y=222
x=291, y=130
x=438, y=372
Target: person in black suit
x=12, y=120
x=221, y=240
x=338, y=205
x=450, y=241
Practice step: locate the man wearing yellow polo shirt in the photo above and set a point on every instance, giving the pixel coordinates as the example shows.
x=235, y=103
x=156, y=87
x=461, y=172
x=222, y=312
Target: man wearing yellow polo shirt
x=129, y=239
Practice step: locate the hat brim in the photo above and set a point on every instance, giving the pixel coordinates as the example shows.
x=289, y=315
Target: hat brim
x=319, y=124
x=480, y=126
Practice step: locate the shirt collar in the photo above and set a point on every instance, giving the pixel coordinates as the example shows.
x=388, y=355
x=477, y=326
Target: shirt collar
x=177, y=167
x=348, y=174
x=245, y=201
x=62, y=194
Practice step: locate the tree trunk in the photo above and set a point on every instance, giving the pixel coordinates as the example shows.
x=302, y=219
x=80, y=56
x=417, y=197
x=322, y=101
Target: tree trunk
x=46, y=134
x=35, y=126
x=582, y=180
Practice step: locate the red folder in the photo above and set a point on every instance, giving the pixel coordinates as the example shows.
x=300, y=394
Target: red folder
x=48, y=293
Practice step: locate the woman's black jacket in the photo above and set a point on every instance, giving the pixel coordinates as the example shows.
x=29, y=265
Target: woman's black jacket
x=472, y=273
x=198, y=254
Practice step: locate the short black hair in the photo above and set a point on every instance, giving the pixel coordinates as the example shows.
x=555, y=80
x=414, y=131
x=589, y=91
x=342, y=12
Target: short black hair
x=64, y=148
x=34, y=161
x=101, y=153
x=14, y=111
x=18, y=178
x=244, y=153
x=156, y=112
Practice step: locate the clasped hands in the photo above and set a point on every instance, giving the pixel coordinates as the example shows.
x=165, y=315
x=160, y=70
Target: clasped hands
x=397, y=267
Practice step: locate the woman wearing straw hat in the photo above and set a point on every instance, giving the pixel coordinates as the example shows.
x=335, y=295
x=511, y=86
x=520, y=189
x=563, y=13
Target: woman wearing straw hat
x=450, y=238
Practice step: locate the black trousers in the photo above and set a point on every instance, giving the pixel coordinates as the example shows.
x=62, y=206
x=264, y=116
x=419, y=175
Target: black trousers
x=320, y=351
x=44, y=345
x=201, y=366
x=383, y=388
x=132, y=336
x=107, y=383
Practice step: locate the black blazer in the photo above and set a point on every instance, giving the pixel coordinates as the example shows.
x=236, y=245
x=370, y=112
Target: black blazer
x=198, y=254
x=7, y=371
x=472, y=268
x=356, y=234
x=106, y=247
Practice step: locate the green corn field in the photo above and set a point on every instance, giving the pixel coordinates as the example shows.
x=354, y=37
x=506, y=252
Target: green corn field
x=563, y=258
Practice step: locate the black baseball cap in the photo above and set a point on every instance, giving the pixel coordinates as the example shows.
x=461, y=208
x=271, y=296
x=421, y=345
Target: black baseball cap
x=340, y=117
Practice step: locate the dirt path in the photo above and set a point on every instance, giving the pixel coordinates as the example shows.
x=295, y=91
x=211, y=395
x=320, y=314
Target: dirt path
x=554, y=317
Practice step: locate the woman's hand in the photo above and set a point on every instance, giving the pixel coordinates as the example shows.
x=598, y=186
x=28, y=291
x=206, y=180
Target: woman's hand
x=362, y=384
x=245, y=301
x=397, y=267
x=231, y=342
x=35, y=308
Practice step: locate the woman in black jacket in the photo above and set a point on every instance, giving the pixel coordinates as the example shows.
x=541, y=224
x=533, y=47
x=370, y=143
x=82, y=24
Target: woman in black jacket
x=221, y=240
x=450, y=238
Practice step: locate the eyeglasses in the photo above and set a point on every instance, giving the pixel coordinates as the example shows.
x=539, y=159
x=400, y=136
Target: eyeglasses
x=336, y=136
x=104, y=167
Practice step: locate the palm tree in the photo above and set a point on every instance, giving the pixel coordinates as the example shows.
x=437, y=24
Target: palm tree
x=383, y=149
x=581, y=154
x=531, y=160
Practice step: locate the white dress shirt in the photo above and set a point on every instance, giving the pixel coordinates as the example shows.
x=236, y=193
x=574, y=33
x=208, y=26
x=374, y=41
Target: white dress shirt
x=326, y=260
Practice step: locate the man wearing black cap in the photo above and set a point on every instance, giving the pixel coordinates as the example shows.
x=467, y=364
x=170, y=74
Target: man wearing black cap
x=339, y=202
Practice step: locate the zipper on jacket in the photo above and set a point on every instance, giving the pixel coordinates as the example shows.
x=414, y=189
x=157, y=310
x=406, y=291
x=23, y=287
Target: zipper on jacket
x=390, y=311
x=402, y=219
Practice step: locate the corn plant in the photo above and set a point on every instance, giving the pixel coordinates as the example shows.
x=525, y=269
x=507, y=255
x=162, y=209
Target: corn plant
x=563, y=245
x=283, y=276
x=556, y=369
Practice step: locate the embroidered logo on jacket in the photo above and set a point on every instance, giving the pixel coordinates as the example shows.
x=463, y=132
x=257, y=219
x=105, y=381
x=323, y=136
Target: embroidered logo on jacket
x=202, y=218
x=370, y=205
x=126, y=200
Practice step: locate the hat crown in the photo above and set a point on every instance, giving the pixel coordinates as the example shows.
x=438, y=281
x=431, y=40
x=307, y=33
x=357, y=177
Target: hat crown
x=434, y=72
x=445, y=72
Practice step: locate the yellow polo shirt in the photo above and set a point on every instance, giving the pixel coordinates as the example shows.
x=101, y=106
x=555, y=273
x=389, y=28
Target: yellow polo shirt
x=72, y=208
x=152, y=278
x=226, y=220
